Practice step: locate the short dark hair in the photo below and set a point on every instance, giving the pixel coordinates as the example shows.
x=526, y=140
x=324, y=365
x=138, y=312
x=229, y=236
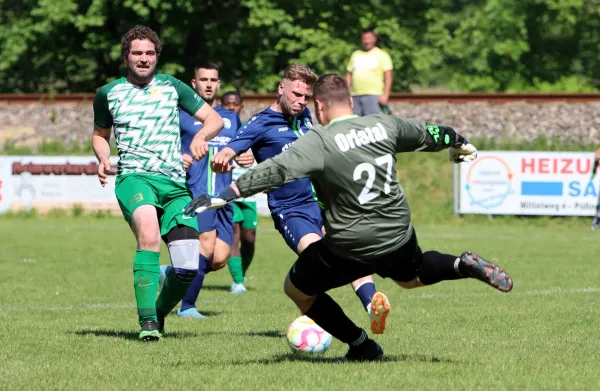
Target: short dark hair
x=368, y=30
x=332, y=89
x=232, y=93
x=206, y=64
x=139, y=32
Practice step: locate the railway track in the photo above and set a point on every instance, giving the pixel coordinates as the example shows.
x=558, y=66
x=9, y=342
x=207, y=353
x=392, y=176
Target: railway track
x=394, y=98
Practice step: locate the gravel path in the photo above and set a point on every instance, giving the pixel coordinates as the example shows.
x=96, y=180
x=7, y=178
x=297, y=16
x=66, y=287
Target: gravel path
x=572, y=122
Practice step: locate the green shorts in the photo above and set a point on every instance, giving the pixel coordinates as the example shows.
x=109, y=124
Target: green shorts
x=245, y=214
x=169, y=198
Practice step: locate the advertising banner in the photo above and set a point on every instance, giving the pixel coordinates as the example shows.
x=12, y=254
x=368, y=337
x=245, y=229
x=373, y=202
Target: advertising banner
x=60, y=182
x=527, y=183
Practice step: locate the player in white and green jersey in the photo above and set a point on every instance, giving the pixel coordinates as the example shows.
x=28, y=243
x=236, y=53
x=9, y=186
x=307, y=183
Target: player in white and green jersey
x=143, y=111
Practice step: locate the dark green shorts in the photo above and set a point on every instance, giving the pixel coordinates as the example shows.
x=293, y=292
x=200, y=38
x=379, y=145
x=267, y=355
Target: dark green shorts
x=245, y=214
x=169, y=198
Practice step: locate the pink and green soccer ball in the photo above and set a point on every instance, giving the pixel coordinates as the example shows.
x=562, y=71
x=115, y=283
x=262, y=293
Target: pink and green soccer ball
x=305, y=336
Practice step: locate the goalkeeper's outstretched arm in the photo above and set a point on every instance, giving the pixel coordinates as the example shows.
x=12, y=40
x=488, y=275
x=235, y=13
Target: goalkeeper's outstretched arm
x=414, y=136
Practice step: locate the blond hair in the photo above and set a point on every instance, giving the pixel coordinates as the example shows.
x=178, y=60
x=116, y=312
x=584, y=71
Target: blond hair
x=300, y=72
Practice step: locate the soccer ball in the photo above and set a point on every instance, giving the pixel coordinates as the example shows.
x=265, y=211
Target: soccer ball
x=305, y=336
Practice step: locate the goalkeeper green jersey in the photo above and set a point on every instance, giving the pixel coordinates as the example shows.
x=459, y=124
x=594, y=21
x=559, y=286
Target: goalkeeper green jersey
x=145, y=120
x=352, y=164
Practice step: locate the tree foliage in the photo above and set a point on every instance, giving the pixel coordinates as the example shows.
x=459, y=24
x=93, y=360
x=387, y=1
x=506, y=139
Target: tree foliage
x=459, y=45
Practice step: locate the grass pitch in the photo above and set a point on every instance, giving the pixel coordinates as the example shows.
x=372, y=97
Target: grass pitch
x=68, y=318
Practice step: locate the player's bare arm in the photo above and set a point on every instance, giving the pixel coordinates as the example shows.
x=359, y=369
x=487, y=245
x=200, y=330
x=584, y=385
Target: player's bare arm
x=101, y=147
x=187, y=161
x=245, y=159
x=387, y=87
x=212, y=123
x=220, y=161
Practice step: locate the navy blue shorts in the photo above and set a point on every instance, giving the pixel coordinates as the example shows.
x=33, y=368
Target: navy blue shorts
x=219, y=219
x=295, y=223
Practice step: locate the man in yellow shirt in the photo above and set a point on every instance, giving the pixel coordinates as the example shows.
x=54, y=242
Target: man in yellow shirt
x=369, y=75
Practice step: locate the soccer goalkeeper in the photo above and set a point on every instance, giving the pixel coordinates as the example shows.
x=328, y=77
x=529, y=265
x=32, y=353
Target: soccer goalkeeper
x=352, y=162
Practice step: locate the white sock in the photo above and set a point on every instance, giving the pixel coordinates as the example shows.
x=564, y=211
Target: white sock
x=456, y=266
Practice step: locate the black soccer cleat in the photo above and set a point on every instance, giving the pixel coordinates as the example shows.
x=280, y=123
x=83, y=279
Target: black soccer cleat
x=149, y=331
x=474, y=266
x=366, y=351
x=595, y=224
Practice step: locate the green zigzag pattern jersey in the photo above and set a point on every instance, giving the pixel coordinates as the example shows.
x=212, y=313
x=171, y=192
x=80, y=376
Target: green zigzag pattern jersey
x=145, y=120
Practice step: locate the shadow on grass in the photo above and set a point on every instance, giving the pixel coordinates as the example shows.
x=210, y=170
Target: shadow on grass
x=173, y=314
x=131, y=335
x=268, y=334
x=264, y=334
x=291, y=357
x=225, y=288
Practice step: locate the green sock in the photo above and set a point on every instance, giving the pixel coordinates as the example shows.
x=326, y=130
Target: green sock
x=146, y=275
x=235, y=268
x=172, y=292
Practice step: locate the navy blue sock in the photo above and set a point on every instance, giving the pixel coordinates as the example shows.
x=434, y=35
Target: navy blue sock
x=365, y=293
x=189, y=300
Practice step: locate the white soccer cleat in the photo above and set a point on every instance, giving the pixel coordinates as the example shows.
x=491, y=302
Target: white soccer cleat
x=238, y=289
x=378, y=311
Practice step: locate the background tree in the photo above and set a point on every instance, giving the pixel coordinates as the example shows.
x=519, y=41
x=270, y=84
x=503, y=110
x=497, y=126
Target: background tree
x=457, y=45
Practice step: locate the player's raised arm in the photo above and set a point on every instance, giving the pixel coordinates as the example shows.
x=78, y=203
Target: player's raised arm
x=305, y=158
x=245, y=159
x=212, y=123
x=220, y=161
x=413, y=136
x=194, y=105
x=245, y=138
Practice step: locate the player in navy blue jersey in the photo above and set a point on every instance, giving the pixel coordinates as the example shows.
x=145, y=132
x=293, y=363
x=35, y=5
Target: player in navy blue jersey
x=294, y=206
x=215, y=227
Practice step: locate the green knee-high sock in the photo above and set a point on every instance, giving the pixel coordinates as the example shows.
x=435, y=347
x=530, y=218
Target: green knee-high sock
x=146, y=275
x=172, y=292
x=235, y=268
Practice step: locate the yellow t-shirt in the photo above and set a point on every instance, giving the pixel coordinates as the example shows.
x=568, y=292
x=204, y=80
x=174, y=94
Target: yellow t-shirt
x=367, y=70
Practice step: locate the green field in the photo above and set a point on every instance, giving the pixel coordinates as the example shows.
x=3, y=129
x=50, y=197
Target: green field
x=68, y=317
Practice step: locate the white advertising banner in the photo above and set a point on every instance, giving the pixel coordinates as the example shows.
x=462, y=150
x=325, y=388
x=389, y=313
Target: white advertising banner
x=527, y=183
x=60, y=182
